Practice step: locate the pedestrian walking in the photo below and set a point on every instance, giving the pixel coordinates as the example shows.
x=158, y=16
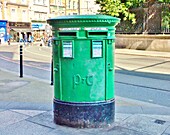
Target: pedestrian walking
x=9, y=39
x=42, y=42
x=20, y=37
x=31, y=40
x=50, y=41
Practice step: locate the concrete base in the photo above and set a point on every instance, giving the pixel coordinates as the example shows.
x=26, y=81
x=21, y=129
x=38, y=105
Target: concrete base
x=84, y=115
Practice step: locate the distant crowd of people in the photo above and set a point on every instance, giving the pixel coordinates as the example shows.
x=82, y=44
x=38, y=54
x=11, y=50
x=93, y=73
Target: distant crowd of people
x=29, y=39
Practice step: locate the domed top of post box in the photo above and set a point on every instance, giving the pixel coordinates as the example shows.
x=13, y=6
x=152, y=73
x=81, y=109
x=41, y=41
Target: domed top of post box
x=83, y=20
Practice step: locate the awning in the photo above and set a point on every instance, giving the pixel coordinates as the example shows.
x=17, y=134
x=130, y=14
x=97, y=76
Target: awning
x=21, y=30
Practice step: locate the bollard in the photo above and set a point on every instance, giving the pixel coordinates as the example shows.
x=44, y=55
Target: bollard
x=21, y=61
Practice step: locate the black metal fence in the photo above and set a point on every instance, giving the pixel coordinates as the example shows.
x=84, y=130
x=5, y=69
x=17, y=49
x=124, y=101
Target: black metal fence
x=152, y=20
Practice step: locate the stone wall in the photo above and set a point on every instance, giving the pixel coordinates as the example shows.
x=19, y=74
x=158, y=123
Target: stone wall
x=144, y=42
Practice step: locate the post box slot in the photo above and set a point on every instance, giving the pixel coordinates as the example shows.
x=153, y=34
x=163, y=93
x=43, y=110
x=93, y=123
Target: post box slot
x=74, y=34
x=97, y=33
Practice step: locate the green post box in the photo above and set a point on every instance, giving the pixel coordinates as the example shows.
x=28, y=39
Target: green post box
x=83, y=65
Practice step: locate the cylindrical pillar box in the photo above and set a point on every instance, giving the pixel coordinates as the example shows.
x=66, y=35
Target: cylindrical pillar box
x=83, y=61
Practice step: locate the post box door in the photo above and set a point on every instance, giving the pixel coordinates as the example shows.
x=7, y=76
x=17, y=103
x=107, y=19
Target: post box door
x=110, y=69
x=82, y=70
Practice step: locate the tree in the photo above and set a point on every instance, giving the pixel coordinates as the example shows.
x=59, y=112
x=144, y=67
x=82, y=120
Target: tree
x=165, y=13
x=119, y=8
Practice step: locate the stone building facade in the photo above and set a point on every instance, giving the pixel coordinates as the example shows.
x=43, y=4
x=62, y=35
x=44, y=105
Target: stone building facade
x=27, y=18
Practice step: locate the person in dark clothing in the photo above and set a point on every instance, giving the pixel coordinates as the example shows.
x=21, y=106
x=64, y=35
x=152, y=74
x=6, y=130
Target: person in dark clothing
x=9, y=39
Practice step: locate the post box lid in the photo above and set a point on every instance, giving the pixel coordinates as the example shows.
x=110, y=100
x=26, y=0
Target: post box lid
x=95, y=20
x=85, y=17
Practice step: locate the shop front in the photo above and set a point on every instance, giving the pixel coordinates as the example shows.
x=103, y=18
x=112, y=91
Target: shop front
x=3, y=31
x=39, y=30
x=20, y=31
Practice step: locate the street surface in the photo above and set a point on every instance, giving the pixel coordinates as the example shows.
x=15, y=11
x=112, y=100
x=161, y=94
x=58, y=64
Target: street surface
x=151, y=74
x=37, y=60
x=26, y=103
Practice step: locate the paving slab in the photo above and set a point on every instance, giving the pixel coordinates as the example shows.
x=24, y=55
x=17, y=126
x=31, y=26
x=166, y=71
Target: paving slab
x=160, y=117
x=167, y=131
x=11, y=85
x=129, y=109
x=118, y=130
x=146, y=124
x=70, y=131
x=119, y=117
x=27, y=106
x=9, y=117
x=31, y=113
x=113, y=130
x=25, y=128
x=95, y=131
x=156, y=110
x=45, y=119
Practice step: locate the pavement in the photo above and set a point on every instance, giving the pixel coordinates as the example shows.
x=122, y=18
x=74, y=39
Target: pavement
x=143, y=53
x=26, y=109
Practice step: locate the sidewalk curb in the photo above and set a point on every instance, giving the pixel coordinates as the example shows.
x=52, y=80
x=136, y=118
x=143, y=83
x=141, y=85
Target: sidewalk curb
x=142, y=53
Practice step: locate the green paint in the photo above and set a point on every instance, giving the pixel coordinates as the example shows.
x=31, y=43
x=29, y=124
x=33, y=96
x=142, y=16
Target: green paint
x=83, y=54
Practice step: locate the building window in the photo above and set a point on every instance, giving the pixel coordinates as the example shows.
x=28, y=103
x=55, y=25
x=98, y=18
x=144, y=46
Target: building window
x=39, y=16
x=36, y=16
x=13, y=14
x=13, y=10
x=69, y=4
x=24, y=16
x=60, y=2
x=44, y=2
x=74, y=5
x=23, y=1
x=13, y=1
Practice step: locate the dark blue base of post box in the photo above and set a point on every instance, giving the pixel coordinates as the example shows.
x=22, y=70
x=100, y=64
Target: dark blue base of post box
x=84, y=115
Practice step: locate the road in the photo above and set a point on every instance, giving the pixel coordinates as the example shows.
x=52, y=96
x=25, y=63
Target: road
x=144, y=64
x=37, y=60
x=146, y=78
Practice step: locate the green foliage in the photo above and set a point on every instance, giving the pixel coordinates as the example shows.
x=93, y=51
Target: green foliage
x=164, y=1
x=134, y=3
x=166, y=17
x=123, y=8
x=165, y=13
x=120, y=8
